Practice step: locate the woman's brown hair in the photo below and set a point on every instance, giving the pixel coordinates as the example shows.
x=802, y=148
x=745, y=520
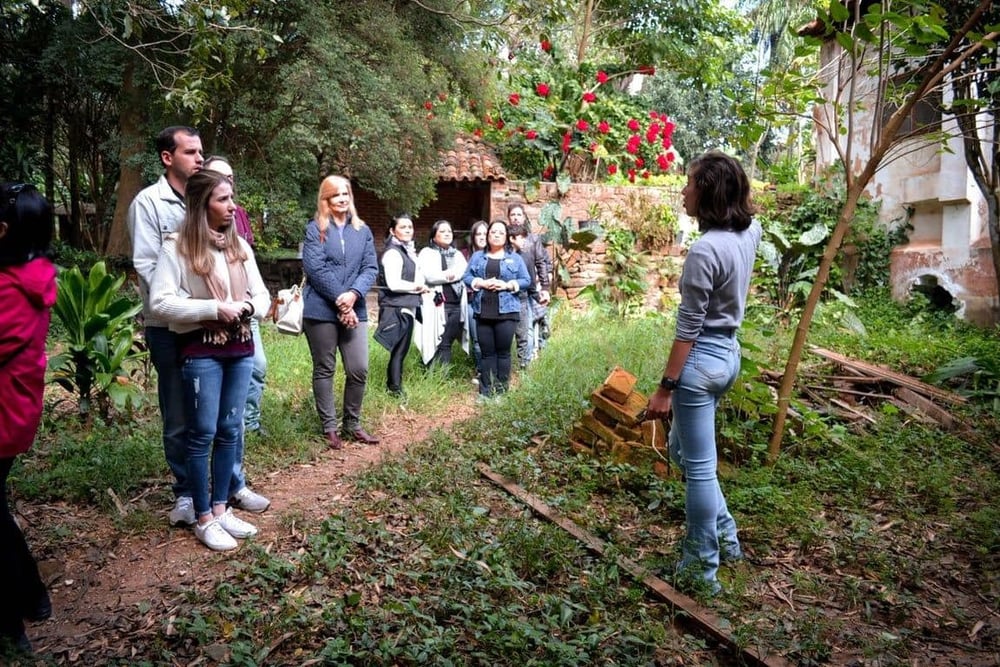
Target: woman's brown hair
x=723, y=192
x=194, y=242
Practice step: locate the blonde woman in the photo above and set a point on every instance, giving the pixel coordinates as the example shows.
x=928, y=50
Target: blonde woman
x=207, y=287
x=340, y=264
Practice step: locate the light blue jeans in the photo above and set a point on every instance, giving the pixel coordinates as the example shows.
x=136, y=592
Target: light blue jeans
x=215, y=396
x=162, y=345
x=710, y=371
x=256, y=389
x=251, y=414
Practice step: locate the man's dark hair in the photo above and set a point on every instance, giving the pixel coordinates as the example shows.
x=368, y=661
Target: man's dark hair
x=723, y=192
x=166, y=140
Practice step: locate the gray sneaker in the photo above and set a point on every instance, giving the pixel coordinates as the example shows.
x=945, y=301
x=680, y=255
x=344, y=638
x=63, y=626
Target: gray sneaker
x=183, y=512
x=248, y=501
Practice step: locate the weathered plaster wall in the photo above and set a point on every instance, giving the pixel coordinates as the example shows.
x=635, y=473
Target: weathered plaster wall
x=931, y=187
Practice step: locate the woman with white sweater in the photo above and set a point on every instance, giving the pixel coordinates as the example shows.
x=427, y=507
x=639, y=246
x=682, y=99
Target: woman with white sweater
x=207, y=287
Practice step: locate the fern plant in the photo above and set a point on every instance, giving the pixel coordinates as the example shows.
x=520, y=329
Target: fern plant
x=100, y=346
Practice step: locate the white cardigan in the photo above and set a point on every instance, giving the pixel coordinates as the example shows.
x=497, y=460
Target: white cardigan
x=183, y=299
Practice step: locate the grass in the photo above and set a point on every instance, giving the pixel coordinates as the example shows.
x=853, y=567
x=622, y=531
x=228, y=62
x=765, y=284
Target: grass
x=852, y=535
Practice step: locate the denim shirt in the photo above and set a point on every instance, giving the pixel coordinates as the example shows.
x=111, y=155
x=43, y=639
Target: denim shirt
x=512, y=267
x=333, y=267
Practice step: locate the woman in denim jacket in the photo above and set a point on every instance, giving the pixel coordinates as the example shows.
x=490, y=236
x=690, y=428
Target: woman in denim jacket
x=495, y=276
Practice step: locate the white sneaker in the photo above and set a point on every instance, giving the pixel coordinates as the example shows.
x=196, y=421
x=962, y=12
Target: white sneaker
x=248, y=501
x=236, y=526
x=183, y=512
x=214, y=536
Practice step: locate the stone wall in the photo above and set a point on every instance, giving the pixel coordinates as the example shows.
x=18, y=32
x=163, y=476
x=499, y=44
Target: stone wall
x=662, y=264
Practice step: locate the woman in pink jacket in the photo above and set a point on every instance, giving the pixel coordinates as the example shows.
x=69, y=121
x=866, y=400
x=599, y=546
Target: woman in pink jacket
x=27, y=292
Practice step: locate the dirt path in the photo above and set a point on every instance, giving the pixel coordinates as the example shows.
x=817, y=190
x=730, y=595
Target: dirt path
x=106, y=584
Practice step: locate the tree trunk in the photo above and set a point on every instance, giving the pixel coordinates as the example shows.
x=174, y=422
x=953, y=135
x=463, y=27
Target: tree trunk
x=130, y=181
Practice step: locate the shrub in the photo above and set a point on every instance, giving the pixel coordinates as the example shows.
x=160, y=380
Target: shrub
x=100, y=341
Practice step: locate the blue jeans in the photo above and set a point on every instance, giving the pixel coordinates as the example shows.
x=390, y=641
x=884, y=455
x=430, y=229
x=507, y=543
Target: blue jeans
x=710, y=371
x=525, y=332
x=256, y=389
x=215, y=396
x=251, y=414
x=470, y=319
x=162, y=345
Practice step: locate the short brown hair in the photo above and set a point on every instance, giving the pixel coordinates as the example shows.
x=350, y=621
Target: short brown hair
x=723, y=192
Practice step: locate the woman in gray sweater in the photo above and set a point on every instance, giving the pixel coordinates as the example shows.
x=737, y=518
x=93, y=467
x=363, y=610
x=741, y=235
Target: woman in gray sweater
x=704, y=359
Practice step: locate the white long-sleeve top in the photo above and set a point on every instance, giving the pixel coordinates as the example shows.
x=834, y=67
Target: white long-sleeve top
x=182, y=298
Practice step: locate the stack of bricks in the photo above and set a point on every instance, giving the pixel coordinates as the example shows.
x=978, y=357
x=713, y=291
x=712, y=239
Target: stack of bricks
x=616, y=426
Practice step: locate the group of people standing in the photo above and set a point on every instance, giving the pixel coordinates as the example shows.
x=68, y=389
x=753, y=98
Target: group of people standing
x=203, y=296
x=484, y=297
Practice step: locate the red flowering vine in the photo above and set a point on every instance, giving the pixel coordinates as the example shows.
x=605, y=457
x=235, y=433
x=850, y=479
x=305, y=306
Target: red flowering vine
x=561, y=111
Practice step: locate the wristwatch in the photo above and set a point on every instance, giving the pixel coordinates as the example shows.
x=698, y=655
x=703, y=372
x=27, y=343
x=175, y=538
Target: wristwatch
x=668, y=384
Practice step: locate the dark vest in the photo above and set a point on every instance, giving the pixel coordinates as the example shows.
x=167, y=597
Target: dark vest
x=397, y=299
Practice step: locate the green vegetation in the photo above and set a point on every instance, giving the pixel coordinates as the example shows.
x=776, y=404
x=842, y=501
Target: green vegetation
x=101, y=353
x=871, y=522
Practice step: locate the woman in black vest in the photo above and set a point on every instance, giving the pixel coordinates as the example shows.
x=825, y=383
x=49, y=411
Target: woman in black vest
x=398, y=300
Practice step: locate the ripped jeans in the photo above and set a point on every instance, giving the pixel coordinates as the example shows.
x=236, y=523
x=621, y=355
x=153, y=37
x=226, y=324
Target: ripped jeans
x=710, y=371
x=215, y=395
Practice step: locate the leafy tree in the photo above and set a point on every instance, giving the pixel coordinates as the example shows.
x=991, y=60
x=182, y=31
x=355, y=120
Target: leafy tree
x=909, y=35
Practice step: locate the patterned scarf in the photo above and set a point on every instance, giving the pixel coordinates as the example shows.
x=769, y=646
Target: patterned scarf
x=218, y=333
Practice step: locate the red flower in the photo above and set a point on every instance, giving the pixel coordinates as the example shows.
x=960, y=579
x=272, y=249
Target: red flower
x=670, y=157
x=589, y=97
x=546, y=45
x=514, y=99
x=567, y=138
x=542, y=89
x=651, y=135
x=593, y=147
x=631, y=175
x=653, y=115
x=663, y=162
x=666, y=142
x=499, y=123
x=603, y=127
x=530, y=134
x=645, y=174
x=478, y=132
x=639, y=163
x=633, y=124
x=633, y=144
x=647, y=69
x=668, y=129
x=602, y=77
x=612, y=169
x=663, y=118
x=582, y=125
x=428, y=105
x=547, y=174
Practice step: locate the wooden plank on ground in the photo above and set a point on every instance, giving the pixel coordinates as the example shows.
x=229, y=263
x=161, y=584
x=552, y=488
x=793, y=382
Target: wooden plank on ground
x=927, y=406
x=707, y=622
x=890, y=376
